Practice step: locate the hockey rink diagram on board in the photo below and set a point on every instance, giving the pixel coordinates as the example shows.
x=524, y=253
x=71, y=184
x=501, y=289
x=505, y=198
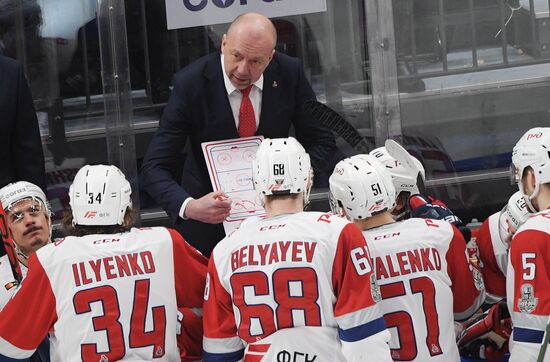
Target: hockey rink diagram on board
x=229, y=164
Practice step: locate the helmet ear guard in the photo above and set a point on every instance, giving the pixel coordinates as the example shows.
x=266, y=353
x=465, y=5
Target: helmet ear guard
x=361, y=187
x=282, y=167
x=99, y=195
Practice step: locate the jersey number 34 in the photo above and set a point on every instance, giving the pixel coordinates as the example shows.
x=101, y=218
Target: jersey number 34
x=109, y=322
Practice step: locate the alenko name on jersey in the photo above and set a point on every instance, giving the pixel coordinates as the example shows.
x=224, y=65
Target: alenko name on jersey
x=407, y=262
x=275, y=252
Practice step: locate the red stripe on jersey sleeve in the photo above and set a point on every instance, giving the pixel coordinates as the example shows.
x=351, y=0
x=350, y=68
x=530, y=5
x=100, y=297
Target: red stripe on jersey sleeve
x=29, y=316
x=465, y=294
x=218, y=318
x=351, y=272
x=190, y=269
x=495, y=281
x=530, y=257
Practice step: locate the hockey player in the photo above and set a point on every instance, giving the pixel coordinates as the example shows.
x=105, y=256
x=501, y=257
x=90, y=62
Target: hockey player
x=487, y=335
x=295, y=283
x=492, y=242
x=406, y=187
x=29, y=218
x=528, y=276
x=110, y=294
x=404, y=183
x=420, y=264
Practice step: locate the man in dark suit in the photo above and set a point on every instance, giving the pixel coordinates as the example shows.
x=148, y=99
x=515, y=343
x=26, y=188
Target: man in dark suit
x=216, y=98
x=21, y=151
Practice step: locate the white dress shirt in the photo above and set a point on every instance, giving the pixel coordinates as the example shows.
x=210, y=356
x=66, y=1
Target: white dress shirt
x=235, y=97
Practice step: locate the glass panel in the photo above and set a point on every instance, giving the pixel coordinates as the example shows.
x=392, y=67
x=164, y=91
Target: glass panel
x=57, y=43
x=331, y=45
x=472, y=78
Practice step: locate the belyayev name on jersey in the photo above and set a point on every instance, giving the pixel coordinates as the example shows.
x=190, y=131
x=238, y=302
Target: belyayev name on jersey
x=279, y=251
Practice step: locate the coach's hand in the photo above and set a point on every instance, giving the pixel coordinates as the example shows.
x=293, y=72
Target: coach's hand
x=212, y=208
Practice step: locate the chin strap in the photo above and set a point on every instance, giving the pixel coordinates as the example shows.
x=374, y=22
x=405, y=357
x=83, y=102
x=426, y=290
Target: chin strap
x=23, y=258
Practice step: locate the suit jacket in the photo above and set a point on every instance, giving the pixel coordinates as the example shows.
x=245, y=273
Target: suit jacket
x=21, y=148
x=199, y=110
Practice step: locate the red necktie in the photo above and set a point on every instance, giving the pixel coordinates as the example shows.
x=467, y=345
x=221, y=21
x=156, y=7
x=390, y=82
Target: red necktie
x=247, y=120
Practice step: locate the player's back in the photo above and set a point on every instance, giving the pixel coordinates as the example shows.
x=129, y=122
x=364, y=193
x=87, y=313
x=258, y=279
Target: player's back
x=416, y=262
x=527, y=286
x=290, y=264
x=114, y=296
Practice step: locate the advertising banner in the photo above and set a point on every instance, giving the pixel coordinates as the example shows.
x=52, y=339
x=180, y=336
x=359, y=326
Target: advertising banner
x=189, y=13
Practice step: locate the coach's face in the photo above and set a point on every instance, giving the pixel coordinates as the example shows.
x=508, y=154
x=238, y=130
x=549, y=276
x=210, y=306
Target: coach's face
x=246, y=55
x=29, y=225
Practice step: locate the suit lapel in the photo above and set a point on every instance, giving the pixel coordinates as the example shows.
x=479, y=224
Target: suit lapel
x=271, y=99
x=221, y=115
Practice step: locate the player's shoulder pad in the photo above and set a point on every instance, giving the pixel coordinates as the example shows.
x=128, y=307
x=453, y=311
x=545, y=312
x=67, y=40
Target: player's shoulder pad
x=539, y=222
x=432, y=228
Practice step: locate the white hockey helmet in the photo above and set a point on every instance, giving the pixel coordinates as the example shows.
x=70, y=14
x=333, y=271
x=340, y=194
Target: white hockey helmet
x=18, y=191
x=99, y=195
x=533, y=149
x=513, y=215
x=401, y=177
x=362, y=187
x=281, y=167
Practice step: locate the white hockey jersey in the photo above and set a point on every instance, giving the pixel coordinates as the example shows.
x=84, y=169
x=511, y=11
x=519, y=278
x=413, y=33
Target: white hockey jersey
x=528, y=287
x=425, y=283
x=105, y=297
x=307, y=269
x=493, y=257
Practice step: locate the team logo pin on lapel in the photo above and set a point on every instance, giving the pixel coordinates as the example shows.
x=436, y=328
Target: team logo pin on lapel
x=274, y=84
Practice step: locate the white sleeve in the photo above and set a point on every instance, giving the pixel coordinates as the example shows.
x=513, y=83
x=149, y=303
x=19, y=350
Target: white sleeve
x=373, y=348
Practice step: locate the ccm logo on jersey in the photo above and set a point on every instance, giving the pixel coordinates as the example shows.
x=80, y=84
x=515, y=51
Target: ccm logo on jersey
x=104, y=241
x=387, y=236
x=272, y=227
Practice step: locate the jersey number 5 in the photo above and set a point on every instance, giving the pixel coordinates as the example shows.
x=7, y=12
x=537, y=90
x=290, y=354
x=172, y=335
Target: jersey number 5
x=109, y=322
x=403, y=322
x=294, y=289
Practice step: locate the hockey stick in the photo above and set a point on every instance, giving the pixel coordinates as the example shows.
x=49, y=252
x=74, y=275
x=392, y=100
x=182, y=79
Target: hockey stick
x=7, y=247
x=402, y=155
x=331, y=119
x=544, y=345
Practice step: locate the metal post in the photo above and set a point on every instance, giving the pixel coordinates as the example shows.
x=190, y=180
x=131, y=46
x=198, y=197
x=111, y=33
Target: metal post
x=442, y=34
x=383, y=66
x=115, y=71
x=473, y=32
x=503, y=32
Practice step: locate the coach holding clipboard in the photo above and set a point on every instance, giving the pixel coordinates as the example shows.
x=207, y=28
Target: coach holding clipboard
x=249, y=89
